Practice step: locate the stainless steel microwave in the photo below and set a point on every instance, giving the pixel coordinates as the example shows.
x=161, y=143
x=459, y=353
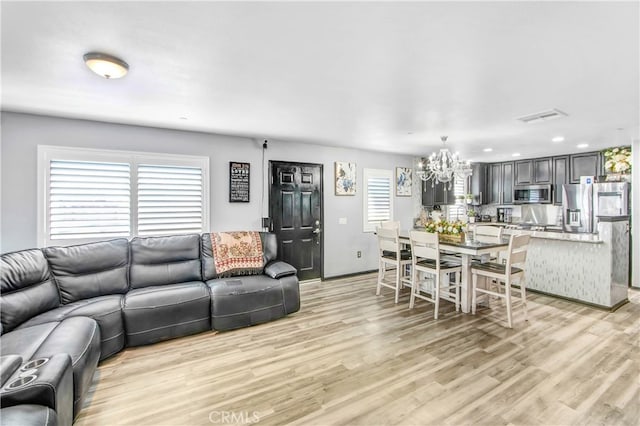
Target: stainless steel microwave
x=532, y=194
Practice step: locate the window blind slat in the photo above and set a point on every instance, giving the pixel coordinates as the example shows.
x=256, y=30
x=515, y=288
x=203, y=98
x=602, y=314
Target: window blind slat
x=88, y=198
x=169, y=199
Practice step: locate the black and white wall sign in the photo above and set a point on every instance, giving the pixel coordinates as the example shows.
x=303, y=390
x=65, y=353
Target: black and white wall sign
x=239, y=182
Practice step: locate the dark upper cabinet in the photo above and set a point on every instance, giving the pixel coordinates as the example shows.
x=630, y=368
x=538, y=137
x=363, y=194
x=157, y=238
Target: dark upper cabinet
x=523, y=172
x=587, y=164
x=560, y=170
x=500, y=183
x=427, y=194
x=542, y=170
x=536, y=171
x=560, y=177
x=478, y=184
x=507, y=183
x=437, y=194
x=440, y=194
x=494, y=178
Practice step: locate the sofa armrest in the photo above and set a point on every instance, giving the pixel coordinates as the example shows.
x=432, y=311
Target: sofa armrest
x=278, y=269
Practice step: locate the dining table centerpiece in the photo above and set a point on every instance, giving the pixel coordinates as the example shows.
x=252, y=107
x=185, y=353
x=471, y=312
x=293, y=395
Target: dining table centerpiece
x=448, y=231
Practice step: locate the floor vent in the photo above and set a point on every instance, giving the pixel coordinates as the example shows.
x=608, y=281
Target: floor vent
x=539, y=117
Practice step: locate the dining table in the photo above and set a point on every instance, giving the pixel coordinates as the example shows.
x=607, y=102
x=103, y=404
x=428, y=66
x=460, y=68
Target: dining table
x=468, y=249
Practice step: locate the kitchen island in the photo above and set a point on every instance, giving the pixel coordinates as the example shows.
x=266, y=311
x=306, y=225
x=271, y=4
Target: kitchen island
x=589, y=268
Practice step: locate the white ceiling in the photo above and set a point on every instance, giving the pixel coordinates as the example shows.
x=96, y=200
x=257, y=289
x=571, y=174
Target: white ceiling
x=382, y=76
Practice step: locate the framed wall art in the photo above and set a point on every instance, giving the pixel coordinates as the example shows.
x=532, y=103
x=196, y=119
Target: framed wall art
x=404, y=181
x=239, y=174
x=345, y=178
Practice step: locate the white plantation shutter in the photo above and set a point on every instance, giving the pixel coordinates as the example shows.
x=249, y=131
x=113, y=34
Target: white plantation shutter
x=88, y=200
x=458, y=211
x=90, y=195
x=378, y=198
x=170, y=200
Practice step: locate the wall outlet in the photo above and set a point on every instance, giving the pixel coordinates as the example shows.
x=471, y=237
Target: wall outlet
x=342, y=221
x=359, y=254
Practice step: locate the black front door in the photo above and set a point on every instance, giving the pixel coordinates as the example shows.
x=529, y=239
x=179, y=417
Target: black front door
x=295, y=208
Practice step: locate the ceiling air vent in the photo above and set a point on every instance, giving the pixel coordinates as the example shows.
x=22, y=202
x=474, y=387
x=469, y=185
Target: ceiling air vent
x=539, y=117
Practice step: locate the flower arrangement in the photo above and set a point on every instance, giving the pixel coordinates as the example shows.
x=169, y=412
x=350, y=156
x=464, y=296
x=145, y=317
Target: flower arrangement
x=442, y=226
x=617, y=160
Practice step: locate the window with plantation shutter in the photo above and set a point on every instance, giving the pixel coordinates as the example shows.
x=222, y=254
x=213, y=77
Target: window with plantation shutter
x=169, y=200
x=377, y=199
x=90, y=195
x=89, y=200
x=458, y=211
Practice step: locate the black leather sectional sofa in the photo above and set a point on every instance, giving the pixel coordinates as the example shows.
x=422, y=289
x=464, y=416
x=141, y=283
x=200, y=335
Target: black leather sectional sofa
x=63, y=309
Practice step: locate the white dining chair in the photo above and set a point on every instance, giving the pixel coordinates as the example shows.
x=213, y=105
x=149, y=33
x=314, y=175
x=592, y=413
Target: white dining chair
x=504, y=274
x=390, y=254
x=488, y=234
x=426, y=258
x=390, y=224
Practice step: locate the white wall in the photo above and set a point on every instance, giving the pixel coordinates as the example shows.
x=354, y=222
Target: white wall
x=635, y=213
x=21, y=133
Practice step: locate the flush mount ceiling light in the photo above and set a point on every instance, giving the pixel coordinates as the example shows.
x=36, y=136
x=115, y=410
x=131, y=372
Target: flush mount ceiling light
x=106, y=66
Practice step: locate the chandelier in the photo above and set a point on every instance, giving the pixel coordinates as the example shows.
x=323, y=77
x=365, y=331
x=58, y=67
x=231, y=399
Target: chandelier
x=443, y=167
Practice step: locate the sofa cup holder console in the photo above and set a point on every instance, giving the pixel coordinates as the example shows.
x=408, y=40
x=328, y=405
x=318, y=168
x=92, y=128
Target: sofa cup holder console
x=34, y=363
x=21, y=381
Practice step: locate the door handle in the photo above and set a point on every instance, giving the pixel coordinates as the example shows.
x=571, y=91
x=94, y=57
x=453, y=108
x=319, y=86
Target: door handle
x=316, y=231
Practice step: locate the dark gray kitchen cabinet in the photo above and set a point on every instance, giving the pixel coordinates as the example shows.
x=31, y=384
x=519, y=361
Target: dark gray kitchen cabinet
x=536, y=171
x=494, y=177
x=587, y=164
x=523, y=172
x=439, y=194
x=507, y=183
x=542, y=170
x=560, y=177
x=500, y=183
x=427, y=194
x=478, y=184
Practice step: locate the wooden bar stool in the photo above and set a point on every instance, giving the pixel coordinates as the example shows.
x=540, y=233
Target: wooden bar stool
x=505, y=273
x=425, y=257
x=391, y=254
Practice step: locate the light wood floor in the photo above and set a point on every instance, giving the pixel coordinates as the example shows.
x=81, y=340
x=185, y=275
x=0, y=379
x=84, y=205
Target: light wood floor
x=352, y=358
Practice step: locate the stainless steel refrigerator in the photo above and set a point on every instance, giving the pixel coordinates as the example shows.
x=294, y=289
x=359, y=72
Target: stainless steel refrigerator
x=583, y=204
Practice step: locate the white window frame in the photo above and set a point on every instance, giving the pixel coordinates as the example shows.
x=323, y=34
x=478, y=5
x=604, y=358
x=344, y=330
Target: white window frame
x=378, y=173
x=47, y=153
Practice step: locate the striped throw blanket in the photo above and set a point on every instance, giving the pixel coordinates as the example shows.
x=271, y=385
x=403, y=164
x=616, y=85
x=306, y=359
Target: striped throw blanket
x=241, y=251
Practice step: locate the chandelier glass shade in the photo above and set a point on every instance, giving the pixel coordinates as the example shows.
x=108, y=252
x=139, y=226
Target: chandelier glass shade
x=443, y=167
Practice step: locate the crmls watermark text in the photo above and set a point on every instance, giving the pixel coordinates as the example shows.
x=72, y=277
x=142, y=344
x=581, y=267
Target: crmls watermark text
x=234, y=417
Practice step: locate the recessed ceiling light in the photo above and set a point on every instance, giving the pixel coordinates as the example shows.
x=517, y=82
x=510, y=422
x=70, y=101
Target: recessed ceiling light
x=106, y=66
x=488, y=149
x=582, y=145
x=558, y=139
x=515, y=154
x=183, y=118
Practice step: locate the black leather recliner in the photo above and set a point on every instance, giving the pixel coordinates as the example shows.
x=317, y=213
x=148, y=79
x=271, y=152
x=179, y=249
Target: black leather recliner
x=167, y=297
x=241, y=300
x=84, y=303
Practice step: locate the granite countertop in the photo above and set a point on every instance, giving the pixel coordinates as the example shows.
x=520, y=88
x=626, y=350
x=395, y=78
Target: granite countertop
x=562, y=236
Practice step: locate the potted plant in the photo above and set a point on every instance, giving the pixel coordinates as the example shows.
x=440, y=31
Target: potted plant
x=471, y=214
x=469, y=198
